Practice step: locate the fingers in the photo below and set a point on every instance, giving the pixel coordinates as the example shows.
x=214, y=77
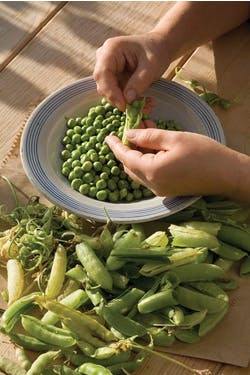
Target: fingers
x=109, y=63
x=153, y=139
x=138, y=83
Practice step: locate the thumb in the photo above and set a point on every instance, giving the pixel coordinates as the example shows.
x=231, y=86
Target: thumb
x=154, y=139
x=138, y=83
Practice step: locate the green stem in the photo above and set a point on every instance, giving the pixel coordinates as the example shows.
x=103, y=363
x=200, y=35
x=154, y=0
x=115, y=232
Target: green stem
x=171, y=359
x=12, y=189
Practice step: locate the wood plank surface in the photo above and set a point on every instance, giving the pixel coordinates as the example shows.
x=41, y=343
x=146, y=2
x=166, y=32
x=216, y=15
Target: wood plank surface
x=19, y=22
x=64, y=51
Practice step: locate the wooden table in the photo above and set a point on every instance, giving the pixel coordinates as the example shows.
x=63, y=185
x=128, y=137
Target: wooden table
x=45, y=45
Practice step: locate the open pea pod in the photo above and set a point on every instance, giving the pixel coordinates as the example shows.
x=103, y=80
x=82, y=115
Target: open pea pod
x=133, y=117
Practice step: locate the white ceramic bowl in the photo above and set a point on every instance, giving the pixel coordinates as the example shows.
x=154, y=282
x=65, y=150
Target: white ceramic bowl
x=41, y=147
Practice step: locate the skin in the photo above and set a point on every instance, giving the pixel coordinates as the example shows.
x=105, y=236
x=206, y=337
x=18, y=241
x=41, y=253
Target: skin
x=166, y=162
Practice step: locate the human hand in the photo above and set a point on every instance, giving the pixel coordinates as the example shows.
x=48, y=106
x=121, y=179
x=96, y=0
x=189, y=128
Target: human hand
x=177, y=163
x=127, y=65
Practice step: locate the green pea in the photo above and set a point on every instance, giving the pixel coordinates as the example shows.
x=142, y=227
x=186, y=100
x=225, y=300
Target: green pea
x=76, y=183
x=113, y=196
x=75, y=155
x=71, y=176
x=89, y=121
x=70, y=133
x=108, y=114
x=102, y=159
x=77, y=129
x=110, y=156
x=71, y=123
x=66, y=140
x=111, y=163
x=84, y=137
x=135, y=185
x=123, y=193
x=65, y=154
x=83, y=121
x=108, y=107
x=78, y=120
x=87, y=166
x=104, y=176
x=76, y=138
x=112, y=185
x=94, y=157
x=97, y=166
x=92, y=191
x=98, y=146
x=91, y=130
x=69, y=147
x=101, y=195
x=115, y=170
x=137, y=193
x=78, y=171
x=116, y=123
x=147, y=193
x=116, y=111
x=110, y=127
x=104, y=150
x=67, y=164
x=65, y=171
x=84, y=189
x=101, y=184
x=88, y=177
x=100, y=110
x=123, y=175
x=129, y=197
x=106, y=169
x=122, y=184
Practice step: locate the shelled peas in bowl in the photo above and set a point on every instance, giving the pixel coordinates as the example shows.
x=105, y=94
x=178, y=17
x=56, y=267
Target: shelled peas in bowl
x=89, y=164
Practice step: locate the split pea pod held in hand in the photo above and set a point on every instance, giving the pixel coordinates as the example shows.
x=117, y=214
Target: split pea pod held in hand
x=96, y=270
x=57, y=273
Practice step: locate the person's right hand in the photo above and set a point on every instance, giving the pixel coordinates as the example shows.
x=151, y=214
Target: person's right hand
x=127, y=65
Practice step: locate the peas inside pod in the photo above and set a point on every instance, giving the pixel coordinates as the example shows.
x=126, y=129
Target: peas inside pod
x=89, y=164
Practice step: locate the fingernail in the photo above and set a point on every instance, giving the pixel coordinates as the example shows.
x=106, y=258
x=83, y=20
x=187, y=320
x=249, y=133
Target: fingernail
x=130, y=95
x=130, y=134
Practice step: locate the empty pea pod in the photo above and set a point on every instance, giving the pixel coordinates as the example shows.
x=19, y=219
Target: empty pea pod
x=197, y=301
x=15, y=280
x=119, y=281
x=126, y=301
x=229, y=252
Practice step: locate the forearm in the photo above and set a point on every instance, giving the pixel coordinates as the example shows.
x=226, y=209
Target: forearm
x=239, y=178
x=189, y=24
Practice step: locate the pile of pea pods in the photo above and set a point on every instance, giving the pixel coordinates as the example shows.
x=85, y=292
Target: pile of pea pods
x=113, y=297
x=88, y=163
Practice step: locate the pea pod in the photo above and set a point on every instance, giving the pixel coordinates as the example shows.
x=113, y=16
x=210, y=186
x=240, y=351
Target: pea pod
x=157, y=301
x=77, y=273
x=22, y=358
x=126, y=301
x=235, y=236
x=123, y=324
x=43, y=332
x=15, y=280
x=189, y=336
x=225, y=264
x=229, y=252
x=210, y=289
x=191, y=320
x=199, y=272
x=205, y=226
x=42, y=362
x=210, y=321
x=133, y=117
x=57, y=273
x=96, y=270
x=73, y=300
x=12, y=314
x=89, y=368
x=30, y=343
x=119, y=281
x=245, y=267
x=174, y=314
x=79, y=359
x=197, y=301
x=80, y=319
x=161, y=337
x=188, y=237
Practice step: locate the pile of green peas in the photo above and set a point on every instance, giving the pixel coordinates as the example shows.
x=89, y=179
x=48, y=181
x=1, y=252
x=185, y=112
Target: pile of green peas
x=90, y=165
